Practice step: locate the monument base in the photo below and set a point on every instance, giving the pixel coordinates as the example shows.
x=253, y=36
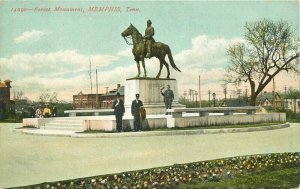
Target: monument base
x=149, y=90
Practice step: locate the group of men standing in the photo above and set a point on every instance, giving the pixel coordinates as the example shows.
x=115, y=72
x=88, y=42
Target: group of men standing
x=137, y=109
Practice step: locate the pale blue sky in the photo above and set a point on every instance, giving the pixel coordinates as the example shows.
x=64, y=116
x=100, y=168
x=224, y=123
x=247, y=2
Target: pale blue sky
x=40, y=48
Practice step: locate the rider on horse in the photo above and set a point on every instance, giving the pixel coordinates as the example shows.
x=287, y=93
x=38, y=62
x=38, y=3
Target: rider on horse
x=149, y=33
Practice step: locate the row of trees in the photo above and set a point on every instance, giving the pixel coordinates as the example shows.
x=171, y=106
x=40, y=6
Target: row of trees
x=241, y=100
x=44, y=97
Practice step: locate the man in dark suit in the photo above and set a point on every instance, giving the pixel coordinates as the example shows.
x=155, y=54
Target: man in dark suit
x=168, y=97
x=135, y=111
x=119, y=110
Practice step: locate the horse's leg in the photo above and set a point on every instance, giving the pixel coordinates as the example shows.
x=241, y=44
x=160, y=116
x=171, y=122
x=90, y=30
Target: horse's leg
x=143, y=64
x=138, y=66
x=167, y=66
x=160, y=67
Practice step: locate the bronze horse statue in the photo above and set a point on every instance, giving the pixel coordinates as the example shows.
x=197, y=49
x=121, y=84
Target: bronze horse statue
x=159, y=50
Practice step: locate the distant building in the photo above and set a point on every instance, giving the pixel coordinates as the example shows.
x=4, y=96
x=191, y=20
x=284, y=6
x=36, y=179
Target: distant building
x=269, y=102
x=86, y=101
x=108, y=99
x=5, y=102
x=90, y=101
x=293, y=104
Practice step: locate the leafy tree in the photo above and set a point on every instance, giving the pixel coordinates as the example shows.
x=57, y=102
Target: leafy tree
x=268, y=49
x=292, y=93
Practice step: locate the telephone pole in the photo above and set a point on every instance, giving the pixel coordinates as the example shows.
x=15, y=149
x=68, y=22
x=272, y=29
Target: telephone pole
x=285, y=101
x=225, y=93
x=199, y=92
x=90, y=73
x=239, y=95
x=209, y=97
x=97, y=90
x=106, y=103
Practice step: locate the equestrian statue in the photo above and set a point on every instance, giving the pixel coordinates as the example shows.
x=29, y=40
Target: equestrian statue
x=146, y=47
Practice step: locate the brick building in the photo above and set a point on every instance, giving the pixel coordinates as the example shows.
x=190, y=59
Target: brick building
x=5, y=102
x=94, y=101
x=108, y=99
x=86, y=101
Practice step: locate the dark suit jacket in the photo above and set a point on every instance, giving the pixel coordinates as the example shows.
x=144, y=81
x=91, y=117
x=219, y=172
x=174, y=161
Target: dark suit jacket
x=135, y=107
x=119, y=108
x=168, y=95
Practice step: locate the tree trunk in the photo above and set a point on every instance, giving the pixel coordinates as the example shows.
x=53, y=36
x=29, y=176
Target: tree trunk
x=253, y=100
x=253, y=93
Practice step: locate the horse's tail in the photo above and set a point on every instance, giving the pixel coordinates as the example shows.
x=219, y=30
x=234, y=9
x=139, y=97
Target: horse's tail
x=172, y=60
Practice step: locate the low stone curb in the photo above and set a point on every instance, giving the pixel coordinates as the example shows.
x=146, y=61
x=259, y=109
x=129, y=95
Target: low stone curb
x=148, y=133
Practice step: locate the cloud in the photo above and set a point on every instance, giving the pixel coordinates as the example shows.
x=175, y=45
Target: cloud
x=206, y=58
x=52, y=64
x=126, y=52
x=32, y=36
x=205, y=53
x=66, y=72
x=62, y=71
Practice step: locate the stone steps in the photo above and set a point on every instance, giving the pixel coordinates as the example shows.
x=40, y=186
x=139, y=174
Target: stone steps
x=54, y=123
x=66, y=124
x=68, y=128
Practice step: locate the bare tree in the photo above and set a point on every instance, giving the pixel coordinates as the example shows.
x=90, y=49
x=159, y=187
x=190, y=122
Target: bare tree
x=19, y=95
x=47, y=96
x=269, y=48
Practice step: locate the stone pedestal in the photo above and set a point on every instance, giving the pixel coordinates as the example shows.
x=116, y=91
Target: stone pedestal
x=149, y=90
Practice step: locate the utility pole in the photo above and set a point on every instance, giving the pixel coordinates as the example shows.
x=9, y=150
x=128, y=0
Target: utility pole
x=209, y=97
x=190, y=93
x=106, y=106
x=193, y=94
x=246, y=94
x=299, y=82
x=184, y=94
x=273, y=86
x=97, y=101
x=285, y=103
x=90, y=73
x=225, y=93
x=239, y=95
x=199, y=92
x=196, y=93
x=214, y=98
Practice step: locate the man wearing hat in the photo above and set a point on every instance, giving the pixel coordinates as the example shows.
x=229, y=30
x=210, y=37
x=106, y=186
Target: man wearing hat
x=168, y=97
x=135, y=111
x=149, y=33
x=119, y=110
